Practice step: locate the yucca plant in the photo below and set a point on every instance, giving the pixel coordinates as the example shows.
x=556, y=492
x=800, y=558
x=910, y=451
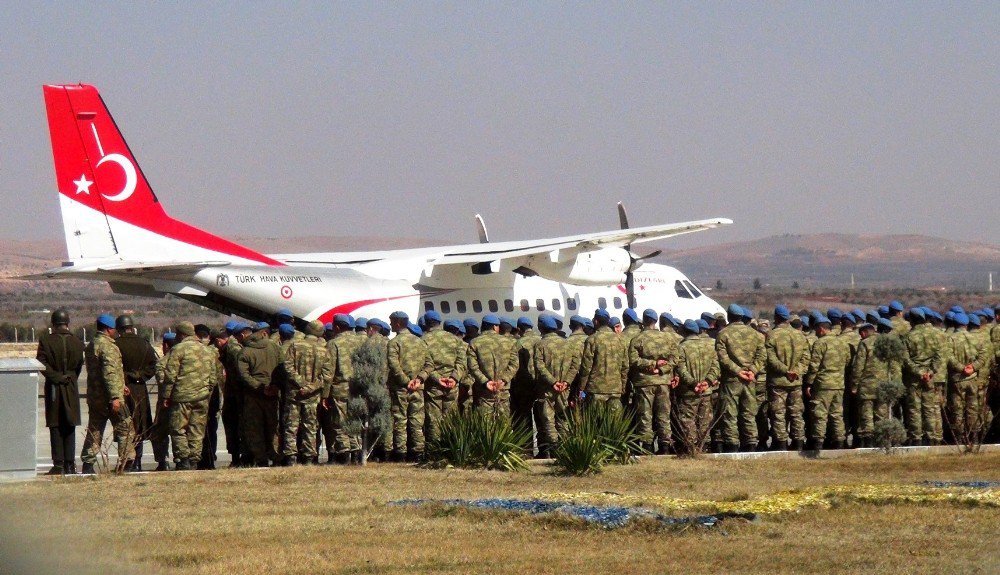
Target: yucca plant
x=480, y=440
x=595, y=436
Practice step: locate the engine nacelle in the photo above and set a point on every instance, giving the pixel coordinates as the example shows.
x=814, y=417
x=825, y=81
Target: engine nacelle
x=601, y=267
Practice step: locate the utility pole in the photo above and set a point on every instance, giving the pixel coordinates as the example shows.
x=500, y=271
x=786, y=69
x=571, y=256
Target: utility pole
x=991, y=281
x=852, y=282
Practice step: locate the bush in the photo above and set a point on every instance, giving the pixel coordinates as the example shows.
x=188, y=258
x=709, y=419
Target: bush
x=368, y=409
x=594, y=437
x=480, y=440
x=889, y=392
x=889, y=433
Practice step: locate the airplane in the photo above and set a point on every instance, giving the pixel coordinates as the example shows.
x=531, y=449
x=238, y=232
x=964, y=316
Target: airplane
x=117, y=231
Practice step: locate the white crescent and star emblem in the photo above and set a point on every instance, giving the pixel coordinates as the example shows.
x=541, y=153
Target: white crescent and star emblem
x=83, y=185
x=130, y=177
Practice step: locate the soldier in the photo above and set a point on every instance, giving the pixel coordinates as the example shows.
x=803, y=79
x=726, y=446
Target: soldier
x=849, y=333
x=447, y=353
x=471, y=329
x=341, y=447
x=788, y=357
x=215, y=341
x=762, y=327
x=159, y=432
x=867, y=371
x=899, y=325
x=741, y=356
x=492, y=362
x=232, y=391
x=139, y=365
x=408, y=367
x=191, y=372
x=507, y=328
x=376, y=336
x=576, y=340
x=361, y=327
x=106, y=397
x=967, y=357
x=652, y=355
x=522, y=387
x=61, y=353
x=556, y=367
x=697, y=372
x=824, y=383
x=923, y=361
x=603, y=364
x=309, y=371
x=261, y=367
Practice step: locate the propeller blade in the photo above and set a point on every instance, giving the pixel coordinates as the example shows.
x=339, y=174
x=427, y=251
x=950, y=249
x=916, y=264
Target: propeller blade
x=622, y=216
x=484, y=237
x=651, y=255
x=630, y=288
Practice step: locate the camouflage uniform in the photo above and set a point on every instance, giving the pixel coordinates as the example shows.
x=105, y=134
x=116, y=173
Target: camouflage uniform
x=696, y=362
x=575, y=343
x=232, y=399
x=900, y=326
x=105, y=384
x=407, y=359
x=867, y=371
x=760, y=393
x=825, y=380
x=853, y=339
x=627, y=335
x=555, y=361
x=604, y=368
x=447, y=357
x=739, y=348
x=651, y=392
x=261, y=367
x=310, y=371
x=922, y=409
x=159, y=432
x=966, y=348
x=522, y=386
x=492, y=357
x=190, y=374
x=788, y=351
x=340, y=349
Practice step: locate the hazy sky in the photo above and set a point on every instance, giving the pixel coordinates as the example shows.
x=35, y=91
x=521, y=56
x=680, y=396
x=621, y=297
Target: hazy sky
x=407, y=119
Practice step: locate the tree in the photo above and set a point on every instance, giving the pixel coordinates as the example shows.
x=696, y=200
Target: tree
x=756, y=284
x=718, y=284
x=368, y=417
x=795, y=285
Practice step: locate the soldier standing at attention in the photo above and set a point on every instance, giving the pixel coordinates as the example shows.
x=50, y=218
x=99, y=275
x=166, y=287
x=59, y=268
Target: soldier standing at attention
x=309, y=370
x=788, y=357
x=106, y=397
x=232, y=392
x=409, y=364
x=61, y=353
x=575, y=342
x=762, y=327
x=741, y=356
x=867, y=370
x=260, y=366
x=446, y=351
x=340, y=446
x=604, y=364
x=522, y=387
x=492, y=363
x=556, y=367
x=824, y=383
x=967, y=357
x=159, y=432
x=849, y=333
x=900, y=326
x=652, y=355
x=923, y=360
x=189, y=376
x=632, y=327
x=696, y=374
x=139, y=365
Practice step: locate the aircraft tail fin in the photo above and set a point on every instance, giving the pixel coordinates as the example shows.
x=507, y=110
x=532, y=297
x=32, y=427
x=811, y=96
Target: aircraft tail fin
x=109, y=209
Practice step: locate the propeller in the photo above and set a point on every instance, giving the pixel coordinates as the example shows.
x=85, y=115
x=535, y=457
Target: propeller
x=635, y=260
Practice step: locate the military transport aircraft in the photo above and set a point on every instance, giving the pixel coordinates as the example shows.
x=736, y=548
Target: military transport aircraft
x=117, y=231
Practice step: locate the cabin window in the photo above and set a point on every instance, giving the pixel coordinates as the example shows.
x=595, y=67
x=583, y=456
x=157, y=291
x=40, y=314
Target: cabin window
x=524, y=305
x=477, y=306
x=540, y=304
x=445, y=307
x=494, y=307
x=428, y=306
x=571, y=304
x=681, y=290
x=602, y=303
x=556, y=304
x=618, y=303
x=460, y=306
x=508, y=305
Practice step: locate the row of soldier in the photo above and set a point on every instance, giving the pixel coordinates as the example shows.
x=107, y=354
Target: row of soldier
x=728, y=377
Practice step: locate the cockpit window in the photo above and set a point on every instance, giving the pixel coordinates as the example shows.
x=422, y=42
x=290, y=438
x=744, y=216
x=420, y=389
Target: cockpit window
x=691, y=288
x=681, y=290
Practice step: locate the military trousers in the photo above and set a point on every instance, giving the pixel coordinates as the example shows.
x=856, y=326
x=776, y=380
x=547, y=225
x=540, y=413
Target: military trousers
x=785, y=408
x=260, y=426
x=299, y=420
x=407, y=410
x=210, y=444
x=486, y=401
x=124, y=433
x=613, y=401
x=922, y=411
x=187, y=428
x=232, y=412
x=522, y=398
x=159, y=431
x=965, y=408
x=652, y=413
x=551, y=413
x=438, y=402
x=738, y=410
x=870, y=412
x=761, y=418
x=827, y=407
x=694, y=416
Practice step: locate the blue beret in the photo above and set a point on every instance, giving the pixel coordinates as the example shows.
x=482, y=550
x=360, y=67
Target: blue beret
x=602, y=313
x=360, y=322
x=865, y=325
x=883, y=310
x=983, y=313
x=328, y=326
x=858, y=314
x=692, y=326
x=917, y=312
x=588, y=323
x=414, y=329
x=559, y=322
x=805, y=320
x=106, y=320
x=849, y=318
x=678, y=323
x=470, y=323
x=821, y=319
x=884, y=322
x=504, y=320
x=895, y=305
x=733, y=310
x=577, y=319
x=950, y=315
x=231, y=325
x=262, y=325
x=667, y=316
x=781, y=311
x=614, y=321
x=524, y=321
x=286, y=329
x=630, y=315
x=834, y=314
x=420, y=322
x=454, y=324
x=432, y=315
x=709, y=316
x=379, y=324
x=343, y=319
x=284, y=312
x=547, y=322
x=961, y=319
x=748, y=313
x=491, y=319
x=702, y=324
x=649, y=314
x=957, y=309
x=975, y=320
x=169, y=336
x=399, y=315
x=872, y=317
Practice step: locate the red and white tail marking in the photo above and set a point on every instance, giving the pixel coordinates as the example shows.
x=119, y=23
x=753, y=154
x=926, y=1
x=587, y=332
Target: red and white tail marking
x=108, y=207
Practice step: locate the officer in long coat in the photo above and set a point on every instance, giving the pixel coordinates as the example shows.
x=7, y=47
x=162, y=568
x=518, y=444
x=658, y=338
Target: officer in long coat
x=61, y=353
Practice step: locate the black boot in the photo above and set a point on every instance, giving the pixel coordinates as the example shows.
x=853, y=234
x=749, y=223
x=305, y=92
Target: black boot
x=748, y=448
x=796, y=445
x=56, y=470
x=343, y=458
x=777, y=445
x=356, y=457
x=69, y=469
x=842, y=444
x=182, y=465
x=377, y=455
x=718, y=447
x=730, y=447
x=88, y=469
x=663, y=448
x=137, y=464
x=761, y=446
x=162, y=466
x=288, y=461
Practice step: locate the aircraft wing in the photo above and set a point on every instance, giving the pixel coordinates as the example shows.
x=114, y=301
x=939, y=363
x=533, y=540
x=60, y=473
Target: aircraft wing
x=478, y=253
x=123, y=268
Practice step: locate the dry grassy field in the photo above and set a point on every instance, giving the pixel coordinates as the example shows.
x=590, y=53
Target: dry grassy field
x=335, y=520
